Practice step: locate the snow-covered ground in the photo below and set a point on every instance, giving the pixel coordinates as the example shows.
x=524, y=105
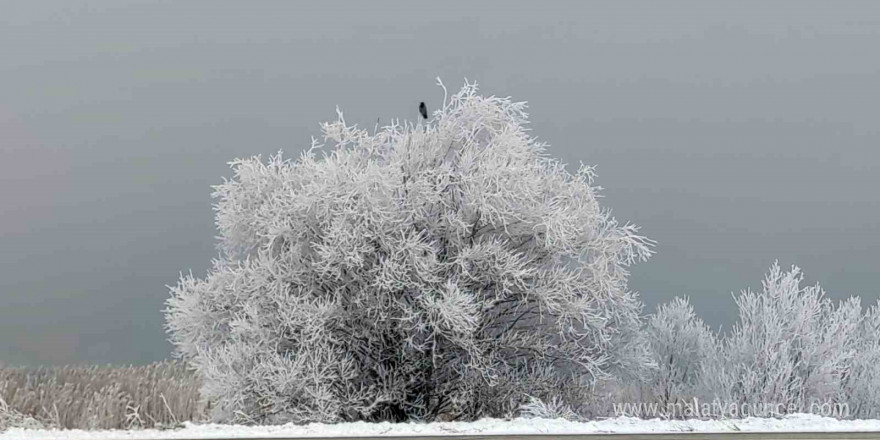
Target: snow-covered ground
x=796, y=422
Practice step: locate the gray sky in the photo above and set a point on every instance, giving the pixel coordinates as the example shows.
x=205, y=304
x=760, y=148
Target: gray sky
x=735, y=133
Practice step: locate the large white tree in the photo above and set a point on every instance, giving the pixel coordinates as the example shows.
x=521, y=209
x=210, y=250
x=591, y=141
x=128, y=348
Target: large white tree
x=448, y=269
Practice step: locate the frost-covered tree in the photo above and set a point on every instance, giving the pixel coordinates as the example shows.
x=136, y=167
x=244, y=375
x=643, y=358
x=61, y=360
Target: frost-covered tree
x=793, y=349
x=792, y=346
x=681, y=346
x=861, y=382
x=450, y=270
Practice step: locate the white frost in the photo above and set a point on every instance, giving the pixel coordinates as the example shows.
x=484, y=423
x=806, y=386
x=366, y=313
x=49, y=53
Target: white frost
x=791, y=423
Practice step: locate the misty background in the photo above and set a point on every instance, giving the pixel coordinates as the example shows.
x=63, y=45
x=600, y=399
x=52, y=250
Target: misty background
x=735, y=133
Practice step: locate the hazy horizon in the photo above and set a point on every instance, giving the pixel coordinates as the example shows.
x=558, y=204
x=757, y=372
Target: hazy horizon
x=734, y=133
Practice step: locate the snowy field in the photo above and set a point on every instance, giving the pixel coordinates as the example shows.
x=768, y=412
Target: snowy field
x=622, y=425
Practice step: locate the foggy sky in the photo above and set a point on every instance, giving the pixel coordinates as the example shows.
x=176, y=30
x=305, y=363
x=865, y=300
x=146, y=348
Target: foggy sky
x=735, y=133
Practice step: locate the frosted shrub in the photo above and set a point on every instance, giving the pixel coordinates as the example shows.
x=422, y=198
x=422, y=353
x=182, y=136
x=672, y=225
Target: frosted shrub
x=11, y=418
x=441, y=271
x=682, y=347
x=554, y=408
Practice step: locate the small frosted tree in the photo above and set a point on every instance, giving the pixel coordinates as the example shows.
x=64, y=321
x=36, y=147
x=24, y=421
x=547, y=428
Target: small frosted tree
x=792, y=345
x=681, y=346
x=441, y=271
x=861, y=382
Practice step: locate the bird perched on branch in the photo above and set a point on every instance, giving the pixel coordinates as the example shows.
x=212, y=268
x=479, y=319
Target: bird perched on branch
x=423, y=110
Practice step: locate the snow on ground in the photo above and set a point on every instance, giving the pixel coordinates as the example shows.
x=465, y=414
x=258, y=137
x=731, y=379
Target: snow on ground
x=795, y=422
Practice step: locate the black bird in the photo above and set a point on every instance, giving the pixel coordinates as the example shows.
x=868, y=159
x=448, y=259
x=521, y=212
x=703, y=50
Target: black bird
x=423, y=110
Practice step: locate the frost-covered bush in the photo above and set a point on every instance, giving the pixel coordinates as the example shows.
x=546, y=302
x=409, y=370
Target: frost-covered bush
x=682, y=346
x=791, y=346
x=554, y=408
x=450, y=270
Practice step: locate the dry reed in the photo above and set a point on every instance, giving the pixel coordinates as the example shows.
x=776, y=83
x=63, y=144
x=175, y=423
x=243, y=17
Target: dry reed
x=162, y=394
